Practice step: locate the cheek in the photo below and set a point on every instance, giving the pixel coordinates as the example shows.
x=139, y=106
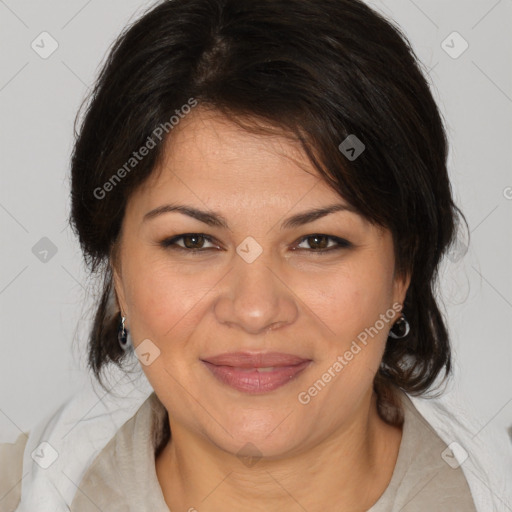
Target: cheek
x=159, y=295
x=351, y=298
x=164, y=301
x=350, y=302
x=166, y=306
x=351, y=305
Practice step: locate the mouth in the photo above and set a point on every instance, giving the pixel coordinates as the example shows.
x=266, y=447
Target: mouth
x=256, y=373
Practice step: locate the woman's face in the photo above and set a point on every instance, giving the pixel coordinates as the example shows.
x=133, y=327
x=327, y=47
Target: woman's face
x=257, y=283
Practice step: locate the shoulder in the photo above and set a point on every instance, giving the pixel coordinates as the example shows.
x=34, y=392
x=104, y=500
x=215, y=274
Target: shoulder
x=425, y=477
x=482, y=452
x=11, y=467
x=430, y=475
x=124, y=471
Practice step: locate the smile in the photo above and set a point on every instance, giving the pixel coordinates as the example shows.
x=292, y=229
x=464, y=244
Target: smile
x=256, y=380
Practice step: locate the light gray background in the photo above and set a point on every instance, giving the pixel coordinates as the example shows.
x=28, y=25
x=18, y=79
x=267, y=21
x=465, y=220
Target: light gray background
x=46, y=307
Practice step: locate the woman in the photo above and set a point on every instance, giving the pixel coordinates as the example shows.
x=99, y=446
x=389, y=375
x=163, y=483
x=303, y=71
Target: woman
x=263, y=188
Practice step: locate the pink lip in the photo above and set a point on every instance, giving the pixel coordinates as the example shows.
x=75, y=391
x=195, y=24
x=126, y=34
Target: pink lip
x=255, y=360
x=240, y=370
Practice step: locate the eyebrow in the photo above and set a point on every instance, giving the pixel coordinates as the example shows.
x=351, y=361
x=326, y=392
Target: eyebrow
x=217, y=220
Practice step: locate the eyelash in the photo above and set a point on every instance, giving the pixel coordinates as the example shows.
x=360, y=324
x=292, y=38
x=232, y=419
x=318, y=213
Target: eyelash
x=170, y=243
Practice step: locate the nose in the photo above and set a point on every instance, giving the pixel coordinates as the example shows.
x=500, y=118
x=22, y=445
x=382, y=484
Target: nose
x=255, y=297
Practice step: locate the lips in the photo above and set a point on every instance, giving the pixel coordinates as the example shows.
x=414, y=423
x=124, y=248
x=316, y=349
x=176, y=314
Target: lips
x=255, y=373
x=255, y=360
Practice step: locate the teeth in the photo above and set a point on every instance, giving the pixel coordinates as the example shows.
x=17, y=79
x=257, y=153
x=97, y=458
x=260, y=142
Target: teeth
x=266, y=369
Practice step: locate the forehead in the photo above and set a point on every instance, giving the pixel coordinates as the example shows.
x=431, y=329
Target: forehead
x=209, y=139
x=208, y=156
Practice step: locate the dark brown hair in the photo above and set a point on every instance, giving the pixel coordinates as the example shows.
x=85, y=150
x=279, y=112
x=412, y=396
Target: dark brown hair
x=318, y=69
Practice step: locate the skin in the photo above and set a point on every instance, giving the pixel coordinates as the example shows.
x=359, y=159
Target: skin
x=302, y=302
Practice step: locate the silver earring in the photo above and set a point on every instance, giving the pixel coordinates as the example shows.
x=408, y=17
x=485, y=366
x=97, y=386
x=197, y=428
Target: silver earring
x=123, y=336
x=400, y=328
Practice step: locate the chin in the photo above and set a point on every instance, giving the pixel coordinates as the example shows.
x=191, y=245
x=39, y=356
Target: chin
x=259, y=437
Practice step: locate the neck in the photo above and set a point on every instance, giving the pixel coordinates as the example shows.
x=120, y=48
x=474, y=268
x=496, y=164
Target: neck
x=352, y=468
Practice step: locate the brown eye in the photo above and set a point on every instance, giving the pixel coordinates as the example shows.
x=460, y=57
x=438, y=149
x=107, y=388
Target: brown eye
x=320, y=243
x=191, y=241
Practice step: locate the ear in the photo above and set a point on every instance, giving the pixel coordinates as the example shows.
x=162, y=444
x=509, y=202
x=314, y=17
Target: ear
x=117, y=283
x=400, y=287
